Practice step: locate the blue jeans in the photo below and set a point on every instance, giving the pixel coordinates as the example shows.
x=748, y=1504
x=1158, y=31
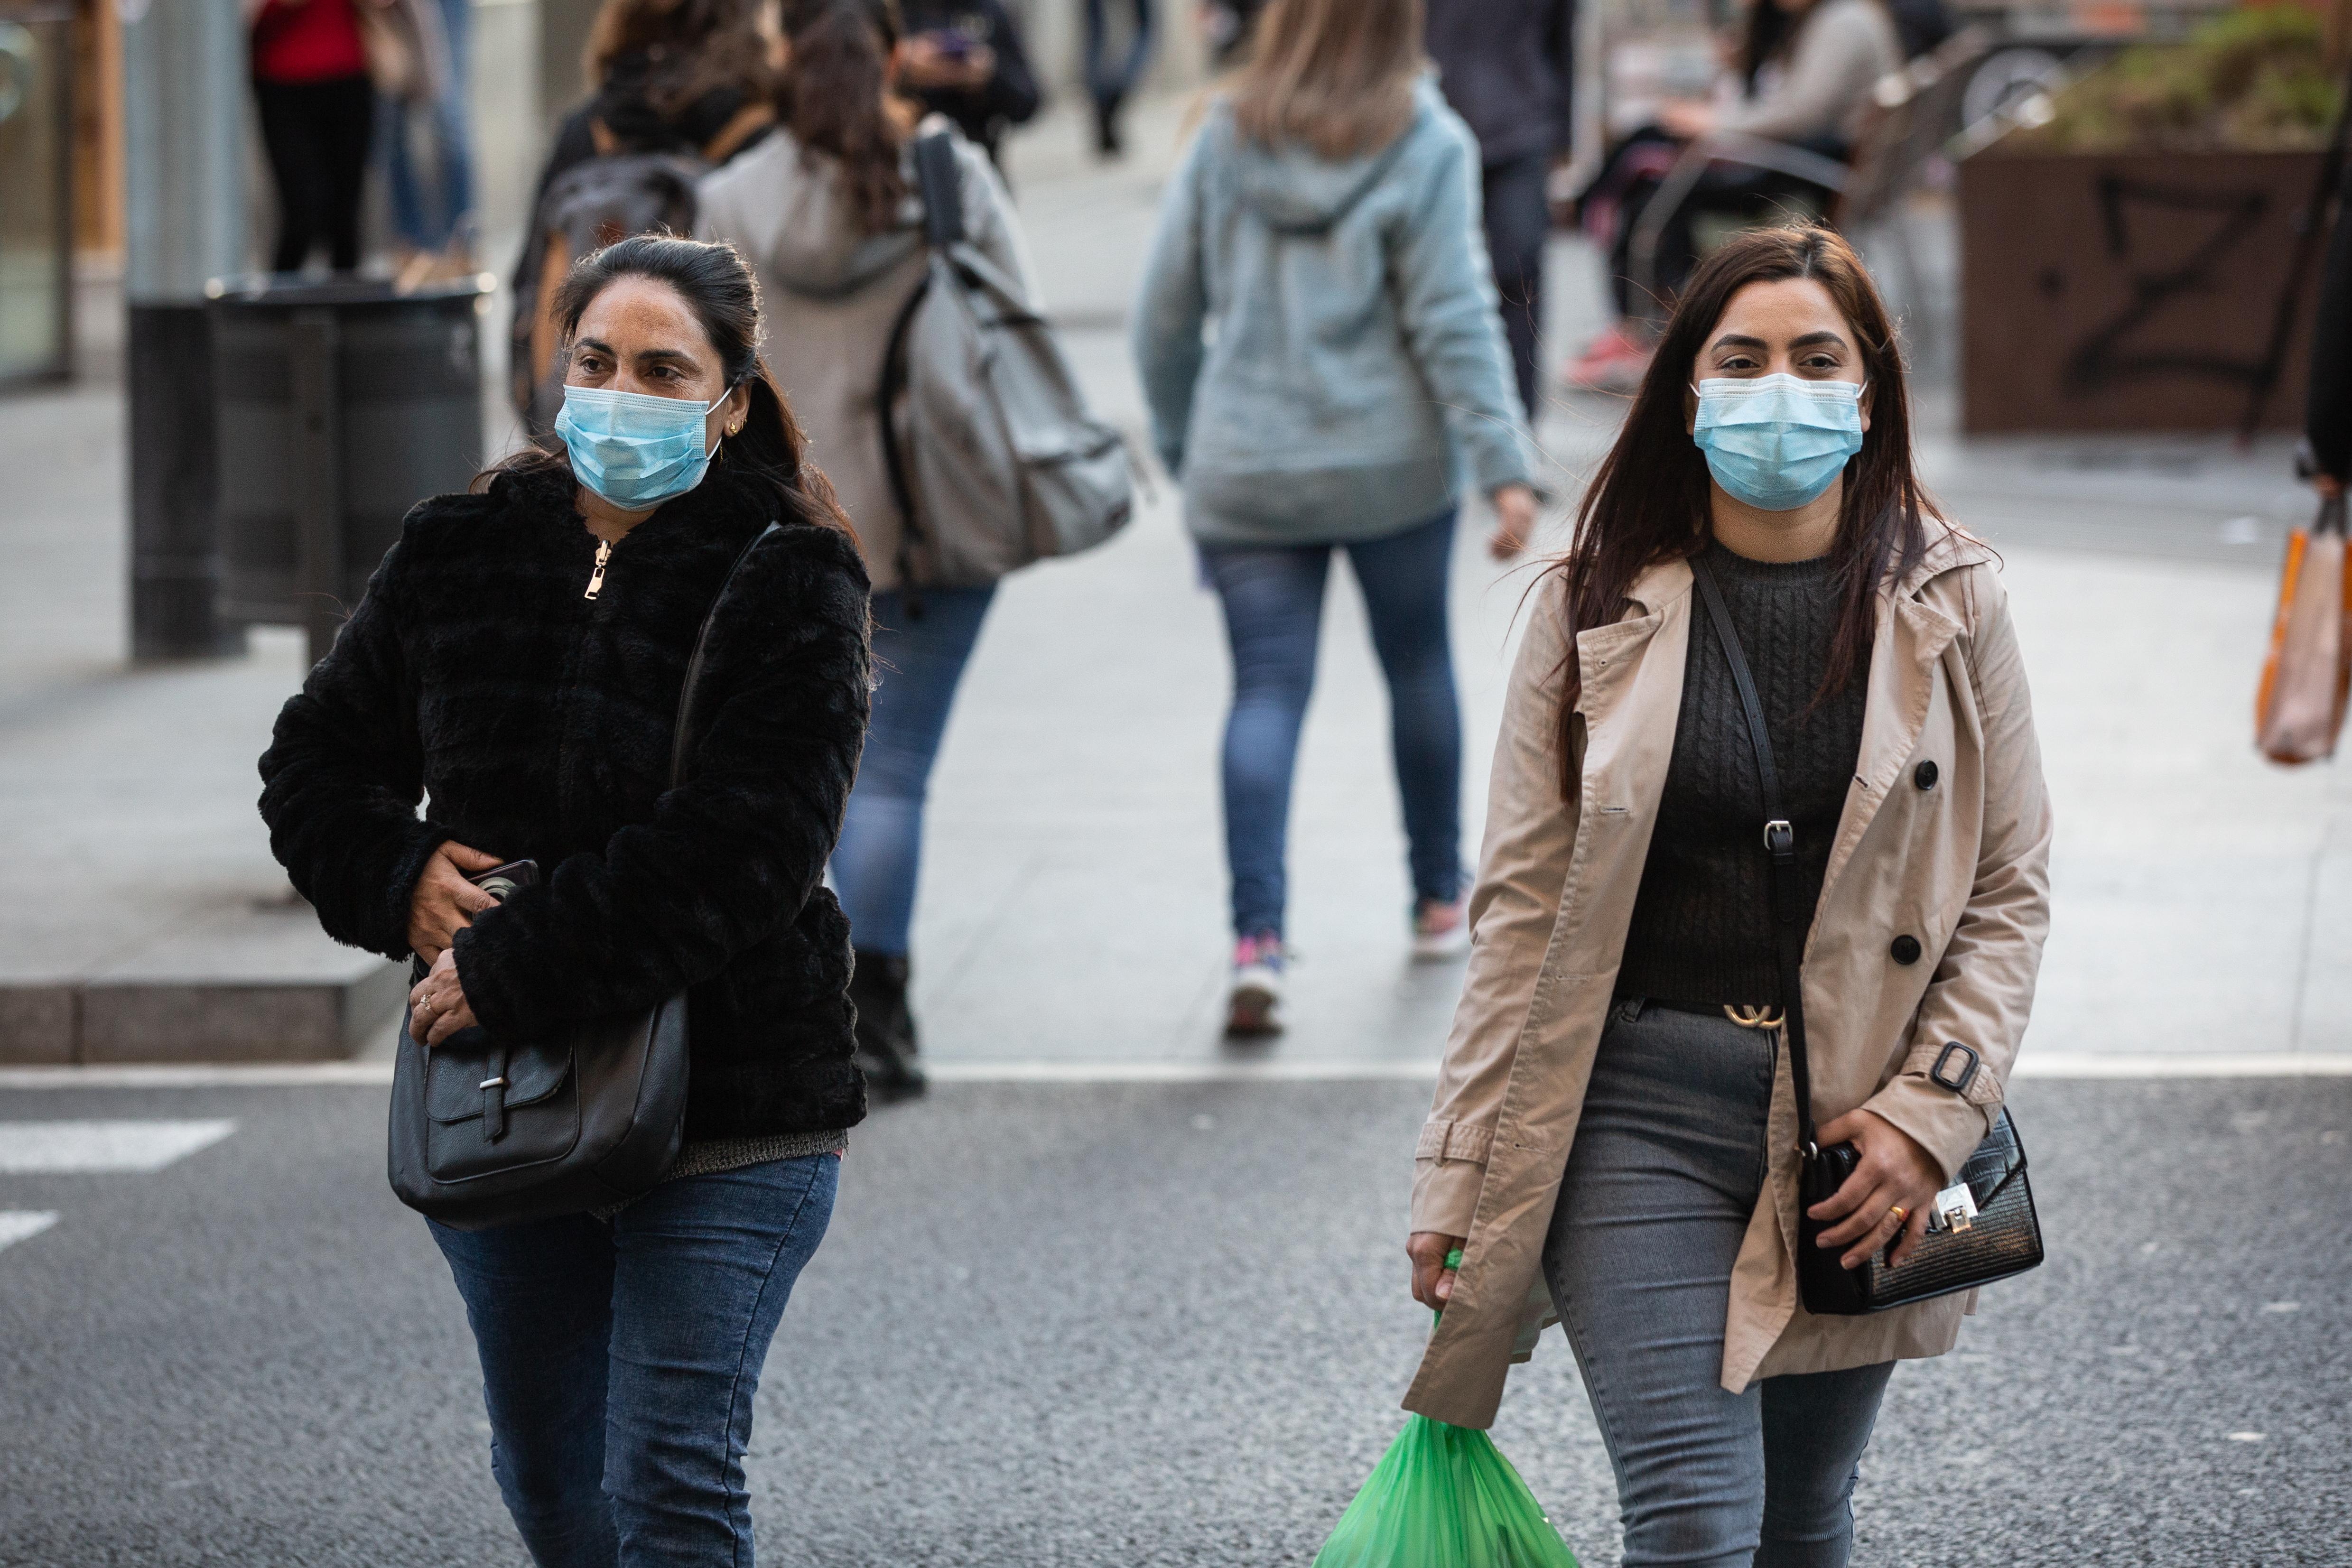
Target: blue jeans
x=919, y=661
x=428, y=226
x=1667, y=1166
x=1274, y=615
x=619, y=1359
x=1110, y=80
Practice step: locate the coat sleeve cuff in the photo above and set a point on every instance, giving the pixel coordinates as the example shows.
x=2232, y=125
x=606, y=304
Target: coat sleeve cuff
x=1449, y=1168
x=1948, y=1126
x=400, y=888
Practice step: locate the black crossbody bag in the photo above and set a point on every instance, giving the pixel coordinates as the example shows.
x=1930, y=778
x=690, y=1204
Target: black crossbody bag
x=489, y=1131
x=1984, y=1226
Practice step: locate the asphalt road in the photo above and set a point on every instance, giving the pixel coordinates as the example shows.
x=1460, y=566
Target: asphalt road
x=1119, y=1325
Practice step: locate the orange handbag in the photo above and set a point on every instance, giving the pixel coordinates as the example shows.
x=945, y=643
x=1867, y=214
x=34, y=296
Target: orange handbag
x=2300, y=709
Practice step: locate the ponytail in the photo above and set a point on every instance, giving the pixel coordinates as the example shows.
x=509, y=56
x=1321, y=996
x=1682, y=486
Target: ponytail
x=836, y=99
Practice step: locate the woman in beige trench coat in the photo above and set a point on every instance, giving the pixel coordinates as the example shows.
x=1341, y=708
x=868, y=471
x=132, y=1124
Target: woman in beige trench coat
x=1607, y=1138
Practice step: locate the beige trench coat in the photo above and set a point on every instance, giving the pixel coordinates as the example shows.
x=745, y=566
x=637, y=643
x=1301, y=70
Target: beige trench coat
x=1962, y=866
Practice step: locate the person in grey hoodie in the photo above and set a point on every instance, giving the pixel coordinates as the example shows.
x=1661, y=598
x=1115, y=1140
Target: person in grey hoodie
x=826, y=213
x=1325, y=368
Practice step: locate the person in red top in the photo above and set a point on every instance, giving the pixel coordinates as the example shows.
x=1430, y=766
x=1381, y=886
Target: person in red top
x=318, y=106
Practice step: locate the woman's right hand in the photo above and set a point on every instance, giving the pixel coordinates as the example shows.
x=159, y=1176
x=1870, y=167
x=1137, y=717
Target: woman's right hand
x=1433, y=1281
x=445, y=903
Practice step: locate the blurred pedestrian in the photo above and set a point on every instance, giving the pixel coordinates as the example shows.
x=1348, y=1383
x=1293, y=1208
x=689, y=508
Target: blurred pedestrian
x=1605, y=1138
x=1805, y=70
x=1112, y=73
x=965, y=60
x=828, y=212
x=433, y=197
x=2328, y=413
x=1320, y=349
x=1508, y=68
x=517, y=659
x=676, y=87
x=317, y=105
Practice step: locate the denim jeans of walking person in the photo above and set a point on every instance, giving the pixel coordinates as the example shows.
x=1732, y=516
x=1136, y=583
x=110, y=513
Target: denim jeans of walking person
x=918, y=660
x=620, y=1358
x=1273, y=598
x=1111, y=77
x=1663, y=1176
x=429, y=202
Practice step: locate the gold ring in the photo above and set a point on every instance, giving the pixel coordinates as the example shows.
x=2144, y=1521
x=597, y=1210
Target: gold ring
x=1900, y=1213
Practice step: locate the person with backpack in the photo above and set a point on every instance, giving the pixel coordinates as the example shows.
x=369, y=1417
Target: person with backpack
x=677, y=89
x=828, y=212
x=1322, y=353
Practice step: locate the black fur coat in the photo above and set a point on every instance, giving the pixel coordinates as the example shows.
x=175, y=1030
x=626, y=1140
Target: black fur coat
x=538, y=723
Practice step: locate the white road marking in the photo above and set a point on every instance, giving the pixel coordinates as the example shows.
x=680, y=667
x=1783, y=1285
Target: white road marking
x=22, y=1224
x=84, y=1146
x=1275, y=1070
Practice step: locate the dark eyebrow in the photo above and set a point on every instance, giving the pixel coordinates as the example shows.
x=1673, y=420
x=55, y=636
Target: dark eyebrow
x=1734, y=341
x=598, y=344
x=1810, y=338
x=666, y=356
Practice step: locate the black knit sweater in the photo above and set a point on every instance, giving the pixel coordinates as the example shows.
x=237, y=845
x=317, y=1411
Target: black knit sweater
x=1702, y=930
x=538, y=723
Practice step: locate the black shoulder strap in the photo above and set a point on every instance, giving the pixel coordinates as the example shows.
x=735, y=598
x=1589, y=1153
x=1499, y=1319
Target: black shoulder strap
x=1788, y=921
x=682, y=738
x=940, y=184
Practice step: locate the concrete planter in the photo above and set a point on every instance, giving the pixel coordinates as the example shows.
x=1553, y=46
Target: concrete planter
x=2133, y=291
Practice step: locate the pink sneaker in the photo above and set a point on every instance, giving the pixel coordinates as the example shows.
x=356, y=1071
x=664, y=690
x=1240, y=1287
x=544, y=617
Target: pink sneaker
x=1440, y=931
x=1257, y=986
x=1615, y=362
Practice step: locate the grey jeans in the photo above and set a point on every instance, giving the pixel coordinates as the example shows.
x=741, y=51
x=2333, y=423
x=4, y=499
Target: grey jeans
x=1668, y=1162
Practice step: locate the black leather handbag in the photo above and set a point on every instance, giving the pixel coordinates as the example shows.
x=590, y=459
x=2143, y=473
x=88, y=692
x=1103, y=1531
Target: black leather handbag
x=1984, y=1226
x=489, y=1131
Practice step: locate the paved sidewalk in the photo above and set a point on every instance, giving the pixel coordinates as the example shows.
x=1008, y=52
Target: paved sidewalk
x=1073, y=904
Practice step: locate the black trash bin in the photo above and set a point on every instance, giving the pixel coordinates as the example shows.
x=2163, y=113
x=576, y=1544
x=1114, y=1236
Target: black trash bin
x=341, y=406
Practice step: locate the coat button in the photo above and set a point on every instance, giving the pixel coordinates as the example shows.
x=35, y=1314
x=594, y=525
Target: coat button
x=1904, y=950
x=1924, y=776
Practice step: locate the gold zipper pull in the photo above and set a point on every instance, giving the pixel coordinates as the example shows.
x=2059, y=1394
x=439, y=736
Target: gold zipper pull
x=596, y=579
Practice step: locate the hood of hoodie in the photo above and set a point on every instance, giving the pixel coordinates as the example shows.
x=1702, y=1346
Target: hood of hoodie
x=1297, y=190
x=813, y=244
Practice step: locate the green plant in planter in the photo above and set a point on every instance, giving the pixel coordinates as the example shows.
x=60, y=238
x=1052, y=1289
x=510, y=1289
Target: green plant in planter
x=2248, y=80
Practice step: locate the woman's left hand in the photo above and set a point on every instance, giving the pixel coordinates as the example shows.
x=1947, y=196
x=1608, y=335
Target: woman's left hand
x=438, y=1007
x=1515, y=520
x=1889, y=1194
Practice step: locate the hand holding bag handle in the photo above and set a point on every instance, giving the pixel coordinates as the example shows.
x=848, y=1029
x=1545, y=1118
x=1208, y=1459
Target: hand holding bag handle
x=2004, y=1236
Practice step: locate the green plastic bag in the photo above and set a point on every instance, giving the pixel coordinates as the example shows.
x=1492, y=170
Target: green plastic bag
x=1444, y=1497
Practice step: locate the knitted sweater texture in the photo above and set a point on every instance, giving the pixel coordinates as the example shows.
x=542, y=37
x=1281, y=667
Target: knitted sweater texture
x=1702, y=929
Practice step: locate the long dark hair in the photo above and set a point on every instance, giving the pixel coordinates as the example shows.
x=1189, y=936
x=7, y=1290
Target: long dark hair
x=687, y=47
x=1649, y=503
x=835, y=98
x=720, y=288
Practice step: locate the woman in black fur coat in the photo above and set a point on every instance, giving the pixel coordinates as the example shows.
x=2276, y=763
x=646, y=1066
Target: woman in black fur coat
x=517, y=659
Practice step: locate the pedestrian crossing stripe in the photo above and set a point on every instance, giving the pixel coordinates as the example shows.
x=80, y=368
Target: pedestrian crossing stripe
x=81, y=1147
x=22, y=1225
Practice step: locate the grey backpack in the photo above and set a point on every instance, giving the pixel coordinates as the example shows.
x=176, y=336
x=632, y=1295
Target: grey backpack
x=992, y=455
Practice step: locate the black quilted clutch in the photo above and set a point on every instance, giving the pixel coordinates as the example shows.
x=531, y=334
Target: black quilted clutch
x=2002, y=1239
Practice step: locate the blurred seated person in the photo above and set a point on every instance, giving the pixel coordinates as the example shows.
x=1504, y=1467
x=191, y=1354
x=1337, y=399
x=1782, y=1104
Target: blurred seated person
x=1804, y=70
x=964, y=58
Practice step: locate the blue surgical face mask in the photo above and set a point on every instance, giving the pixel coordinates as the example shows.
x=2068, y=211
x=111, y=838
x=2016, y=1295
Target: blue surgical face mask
x=1777, y=441
x=635, y=449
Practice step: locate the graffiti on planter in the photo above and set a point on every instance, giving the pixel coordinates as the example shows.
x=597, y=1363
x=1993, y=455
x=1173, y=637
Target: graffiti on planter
x=2104, y=357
